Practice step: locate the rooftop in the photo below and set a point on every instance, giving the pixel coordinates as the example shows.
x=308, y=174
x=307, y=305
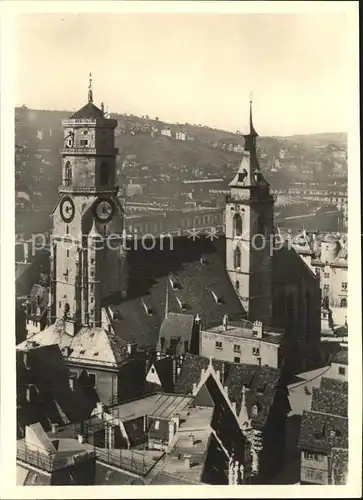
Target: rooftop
x=243, y=329
x=329, y=401
x=321, y=432
x=91, y=344
x=157, y=405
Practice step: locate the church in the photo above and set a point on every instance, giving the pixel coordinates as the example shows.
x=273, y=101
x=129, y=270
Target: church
x=111, y=306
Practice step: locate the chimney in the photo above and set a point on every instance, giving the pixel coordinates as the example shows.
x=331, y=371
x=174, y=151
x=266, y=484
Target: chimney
x=194, y=390
x=218, y=373
x=257, y=329
x=197, y=319
x=225, y=322
x=55, y=427
x=187, y=462
x=234, y=406
x=192, y=439
x=80, y=438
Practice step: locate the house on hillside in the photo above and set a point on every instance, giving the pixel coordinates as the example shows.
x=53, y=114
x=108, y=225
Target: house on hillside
x=166, y=132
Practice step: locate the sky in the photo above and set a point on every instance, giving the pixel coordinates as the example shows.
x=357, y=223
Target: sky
x=195, y=68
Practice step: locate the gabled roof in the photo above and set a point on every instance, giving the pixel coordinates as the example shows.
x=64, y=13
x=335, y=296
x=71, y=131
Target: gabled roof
x=38, y=300
x=325, y=401
x=191, y=369
x=176, y=326
x=164, y=369
x=261, y=384
x=88, y=111
x=321, y=432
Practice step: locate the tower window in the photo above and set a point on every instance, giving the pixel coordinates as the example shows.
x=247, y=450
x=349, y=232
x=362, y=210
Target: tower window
x=105, y=174
x=68, y=175
x=237, y=258
x=67, y=253
x=237, y=225
x=67, y=229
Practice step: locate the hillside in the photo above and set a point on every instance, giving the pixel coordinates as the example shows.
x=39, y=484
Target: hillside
x=323, y=139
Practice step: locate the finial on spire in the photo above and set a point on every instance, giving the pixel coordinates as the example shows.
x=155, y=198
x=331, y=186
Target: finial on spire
x=90, y=91
x=252, y=131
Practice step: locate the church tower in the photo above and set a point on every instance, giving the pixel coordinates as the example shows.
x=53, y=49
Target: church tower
x=249, y=228
x=85, y=262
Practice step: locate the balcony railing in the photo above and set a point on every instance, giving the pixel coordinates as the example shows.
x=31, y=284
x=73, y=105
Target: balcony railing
x=49, y=462
x=87, y=189
x=87, y=150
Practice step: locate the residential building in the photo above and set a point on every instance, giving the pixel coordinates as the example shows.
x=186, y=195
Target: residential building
x=339, y=365
x=324, y=434
x=256, y=397
x=243, y=342
x=166, y=132
x=327, y=257
x=181, y=136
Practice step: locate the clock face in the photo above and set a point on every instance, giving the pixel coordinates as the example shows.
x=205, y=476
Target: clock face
x=67, y=209
x=104, y=209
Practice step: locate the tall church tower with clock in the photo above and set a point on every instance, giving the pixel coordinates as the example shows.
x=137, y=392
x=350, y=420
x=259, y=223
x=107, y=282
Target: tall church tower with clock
x=85, y=264
x=249, y=227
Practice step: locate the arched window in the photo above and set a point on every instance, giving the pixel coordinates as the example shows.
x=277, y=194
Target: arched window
x=237, y=225
x=237, y=258
x=344, y=303
x=254, y=410
x=68, y=174
x=105, y=174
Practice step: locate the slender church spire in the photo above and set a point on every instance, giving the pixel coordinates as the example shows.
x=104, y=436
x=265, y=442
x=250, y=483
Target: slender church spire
x=166, y=300
x=250, y=138
x=90, y=91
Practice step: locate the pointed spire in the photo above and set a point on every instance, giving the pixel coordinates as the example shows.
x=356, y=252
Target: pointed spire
x=252, y=131
x=90, y=91
x=243, y=414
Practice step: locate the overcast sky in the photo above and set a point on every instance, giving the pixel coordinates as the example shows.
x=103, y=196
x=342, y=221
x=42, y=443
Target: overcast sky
x=196, y=68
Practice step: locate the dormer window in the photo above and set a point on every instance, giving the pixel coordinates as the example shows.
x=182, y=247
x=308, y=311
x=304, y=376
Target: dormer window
x=175, y=285
x=182, y=303
x=217, y=297
x=147, y=307
x=255, y=410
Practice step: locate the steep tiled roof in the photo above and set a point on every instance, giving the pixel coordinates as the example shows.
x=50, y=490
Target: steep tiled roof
x=91, y=344
x=333, y=402
x=261, y=384
x=321, y=432
x=191, y=370
x=341, y=259
x=332, y=384
x=88, y=111
x=197, y=266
